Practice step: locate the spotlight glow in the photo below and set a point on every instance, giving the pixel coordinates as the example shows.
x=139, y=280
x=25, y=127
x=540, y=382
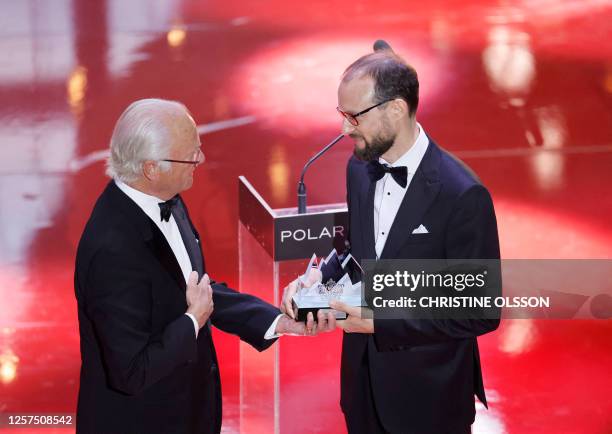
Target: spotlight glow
x=76, y=88
x=279, y=173
x=8, y=367
x=518, y=336
x=292, y=85
x=176, y=36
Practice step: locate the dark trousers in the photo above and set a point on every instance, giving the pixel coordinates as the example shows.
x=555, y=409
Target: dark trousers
x=363, y=418
x=368, y=423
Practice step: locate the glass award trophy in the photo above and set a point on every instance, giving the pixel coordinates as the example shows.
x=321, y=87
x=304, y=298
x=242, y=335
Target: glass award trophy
x=316, y=297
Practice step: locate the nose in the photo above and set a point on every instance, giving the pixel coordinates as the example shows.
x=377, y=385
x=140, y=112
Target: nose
x=347, y=127
x=201, y=158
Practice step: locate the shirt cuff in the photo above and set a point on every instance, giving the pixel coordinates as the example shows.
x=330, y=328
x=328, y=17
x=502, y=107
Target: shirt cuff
x=196, y=327
x=270, y=333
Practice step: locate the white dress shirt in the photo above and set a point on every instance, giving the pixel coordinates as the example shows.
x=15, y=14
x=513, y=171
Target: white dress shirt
x=389, y=194
x=150, y=205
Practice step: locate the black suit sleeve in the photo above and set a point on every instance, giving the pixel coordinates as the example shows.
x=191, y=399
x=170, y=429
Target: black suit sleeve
x=119, y=304
x=244, y=315
x=471, y=234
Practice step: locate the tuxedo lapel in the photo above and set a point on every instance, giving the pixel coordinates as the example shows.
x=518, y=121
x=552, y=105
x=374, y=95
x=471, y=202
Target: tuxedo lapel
x=422, y=192
x=189, y=236
x=164, y=254
x=419, y=197
x=367, y=219
x=151, y=234
x=191, y=240
x=200, y=250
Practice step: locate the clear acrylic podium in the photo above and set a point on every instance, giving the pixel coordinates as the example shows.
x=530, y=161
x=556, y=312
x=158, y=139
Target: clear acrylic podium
x=292, y=387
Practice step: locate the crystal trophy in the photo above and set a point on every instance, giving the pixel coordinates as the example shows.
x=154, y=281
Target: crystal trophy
x=317, y=297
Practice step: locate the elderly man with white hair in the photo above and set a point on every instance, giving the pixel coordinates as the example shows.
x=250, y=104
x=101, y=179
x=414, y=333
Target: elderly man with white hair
x=145, y=302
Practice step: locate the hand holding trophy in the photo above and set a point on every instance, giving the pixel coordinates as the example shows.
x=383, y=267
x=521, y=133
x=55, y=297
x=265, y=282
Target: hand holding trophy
x=308, y=294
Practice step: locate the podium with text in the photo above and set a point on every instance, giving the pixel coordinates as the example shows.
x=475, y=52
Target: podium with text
x=293, y=386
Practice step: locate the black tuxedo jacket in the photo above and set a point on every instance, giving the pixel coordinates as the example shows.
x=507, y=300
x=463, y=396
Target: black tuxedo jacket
x=143, y=371
x=423, y=374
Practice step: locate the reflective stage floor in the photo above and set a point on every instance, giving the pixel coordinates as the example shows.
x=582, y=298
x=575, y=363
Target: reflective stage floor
x=521, y=90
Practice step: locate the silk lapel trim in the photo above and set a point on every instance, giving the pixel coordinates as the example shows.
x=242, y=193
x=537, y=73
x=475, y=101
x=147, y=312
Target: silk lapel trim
x=367, y=222
x=418, y=199
x=164, y=254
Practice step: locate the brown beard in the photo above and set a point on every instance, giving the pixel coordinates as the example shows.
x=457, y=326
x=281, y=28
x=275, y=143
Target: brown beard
x=375, y=149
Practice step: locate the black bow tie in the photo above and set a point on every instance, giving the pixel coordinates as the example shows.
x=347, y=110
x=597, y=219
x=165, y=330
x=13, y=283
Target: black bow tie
x=377, y=171
x=166, y=208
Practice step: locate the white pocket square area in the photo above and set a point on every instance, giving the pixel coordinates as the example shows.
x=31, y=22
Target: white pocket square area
x=420, y=230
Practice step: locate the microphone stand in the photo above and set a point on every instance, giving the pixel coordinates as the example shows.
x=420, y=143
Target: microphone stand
x=301, y=190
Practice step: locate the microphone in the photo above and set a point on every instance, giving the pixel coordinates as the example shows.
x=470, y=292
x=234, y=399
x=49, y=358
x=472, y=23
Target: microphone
x=301, y=190
x=381, y=45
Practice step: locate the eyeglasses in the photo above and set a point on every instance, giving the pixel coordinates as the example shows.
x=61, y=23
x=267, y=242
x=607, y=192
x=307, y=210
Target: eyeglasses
x=352, y=118
x=198, y=159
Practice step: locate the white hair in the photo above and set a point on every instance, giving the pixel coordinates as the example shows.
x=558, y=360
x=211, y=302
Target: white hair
x=143, y=132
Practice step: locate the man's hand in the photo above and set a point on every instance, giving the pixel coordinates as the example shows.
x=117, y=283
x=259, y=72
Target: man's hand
x=313, y=276
x=199, y=298
x=325, y=323
x=354, y=322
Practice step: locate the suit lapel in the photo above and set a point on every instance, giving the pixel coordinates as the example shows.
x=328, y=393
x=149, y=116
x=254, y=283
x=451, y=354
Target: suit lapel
x=151, y=234
x=367, y=219
x=418, y=199
x=164, y=254
x=423, y=190
x=191, y=237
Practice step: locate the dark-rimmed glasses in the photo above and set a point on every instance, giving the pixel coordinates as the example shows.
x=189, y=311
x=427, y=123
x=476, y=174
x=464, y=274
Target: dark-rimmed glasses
x=198, y=159
x=352, y=118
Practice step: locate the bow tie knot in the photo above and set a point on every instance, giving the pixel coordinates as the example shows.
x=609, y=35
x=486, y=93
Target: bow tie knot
x=165, y=208
x=377, y=171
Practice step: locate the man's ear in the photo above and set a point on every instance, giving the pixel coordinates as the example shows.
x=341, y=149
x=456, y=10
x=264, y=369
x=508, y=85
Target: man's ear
x=399, y=108
x=150, y=170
